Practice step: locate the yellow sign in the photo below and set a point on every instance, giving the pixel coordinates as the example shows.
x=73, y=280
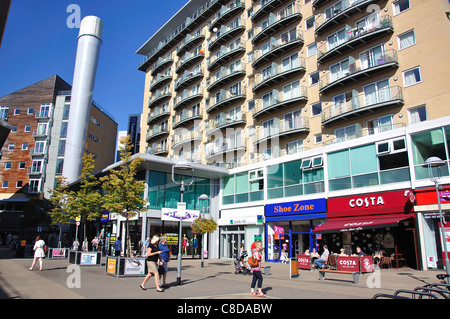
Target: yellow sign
x=111, y=268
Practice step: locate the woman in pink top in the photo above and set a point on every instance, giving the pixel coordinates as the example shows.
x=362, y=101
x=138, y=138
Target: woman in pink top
x=257, y=275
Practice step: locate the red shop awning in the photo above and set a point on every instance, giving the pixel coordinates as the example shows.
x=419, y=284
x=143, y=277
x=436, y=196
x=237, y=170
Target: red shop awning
x=333, y=225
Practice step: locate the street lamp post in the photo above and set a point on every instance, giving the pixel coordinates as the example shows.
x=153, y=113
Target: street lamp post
x=436, y=162
x=203, y=197
x=185, y=167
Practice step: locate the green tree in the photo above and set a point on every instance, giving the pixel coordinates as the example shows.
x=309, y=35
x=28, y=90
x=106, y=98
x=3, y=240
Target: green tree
x=59, y=212
x=123, y=192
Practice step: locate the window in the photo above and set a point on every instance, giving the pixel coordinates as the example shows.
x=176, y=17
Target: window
x=310, y=23
x=36, y=166
x=16, y=111
x=337, y=38
x=346, y=133
x=372, y=57
x=24, y=146
x=8, y=165
x=4, y=112
x=27, y=128
x=316, y=108
x=318, y=138
x=294, y=147
x=314, y=78
x=39, y=147
x=290, y=62
x=381, y=124
x=412, y=77
x=418, y=114
x=44, y=110
x=5, y=184
x=19, y=184
x=338, y=70
x=391, y=146
x=377, y=92
x=306, y=163
x=406, y=39
x=30, y=111
x=42, y=129
x=292, y=120
x=255, y=175
x=291, y=90
x=22, y=165
x=11, y=146
x=34, y=186
x=250, y=105
x=312, y=49
x=400, y=6
x=14, y=129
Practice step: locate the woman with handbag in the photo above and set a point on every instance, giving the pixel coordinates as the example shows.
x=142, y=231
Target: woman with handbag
x=153, y=259
x=38, y=252
x=256, y=269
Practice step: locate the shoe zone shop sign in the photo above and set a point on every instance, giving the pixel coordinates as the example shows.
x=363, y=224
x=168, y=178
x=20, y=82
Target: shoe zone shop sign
x=307, y=209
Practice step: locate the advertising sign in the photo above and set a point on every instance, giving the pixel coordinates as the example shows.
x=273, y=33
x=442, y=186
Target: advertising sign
x=111, y=266
x=173, y=214
x=88, y=259
x=366, y=263
x=312, y=206
x=348, y=263
x=58, y=253
x=134, y=266
x=304, y=261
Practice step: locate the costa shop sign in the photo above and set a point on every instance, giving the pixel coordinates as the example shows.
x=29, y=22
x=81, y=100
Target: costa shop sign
x=370, y=204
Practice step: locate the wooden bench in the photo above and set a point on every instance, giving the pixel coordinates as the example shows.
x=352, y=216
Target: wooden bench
x=354, y=273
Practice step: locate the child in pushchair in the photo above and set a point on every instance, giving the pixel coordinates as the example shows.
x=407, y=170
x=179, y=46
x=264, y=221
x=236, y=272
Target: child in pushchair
x=240, y=265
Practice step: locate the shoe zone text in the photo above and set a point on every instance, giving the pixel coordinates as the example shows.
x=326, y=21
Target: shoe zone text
x=226, y=308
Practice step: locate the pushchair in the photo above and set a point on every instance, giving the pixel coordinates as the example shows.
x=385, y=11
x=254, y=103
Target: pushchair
x=240, y=265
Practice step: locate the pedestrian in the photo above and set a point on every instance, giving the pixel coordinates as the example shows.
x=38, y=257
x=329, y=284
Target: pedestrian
x=38, y=253
x=256, y=271
x=117, y=247
x=94, y=243
x=75, y=244
x=165, y=258
x=153, y=259
x=322, y=261
x=145, y=245
x=85, y=245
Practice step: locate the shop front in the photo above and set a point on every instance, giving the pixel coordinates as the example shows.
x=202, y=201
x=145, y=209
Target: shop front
x=385, y=220
x=239, y=228
x=429, y=225
x=289, y=227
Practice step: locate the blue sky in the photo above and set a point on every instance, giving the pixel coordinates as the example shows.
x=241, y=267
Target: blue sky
x=37, y=44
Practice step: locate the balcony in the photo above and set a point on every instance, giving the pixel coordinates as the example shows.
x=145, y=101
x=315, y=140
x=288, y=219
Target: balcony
x=42, y=115
x=224, y=99
x=279, y=101
x=190, y=41
x=277, y=73
x=187, y=117
x=156, y=132
x=354, y=38
x=40, y=133
x=38, y=151
x=224, y=55
x=225, y=13
x=359, y=103
x=158, y=97
x=31, y=170
x=358, y=70
x=224, y=34
x=282, y=128
x=187, y=97
x=157, y=113
x=230, y=145
x=277, y=47
x=264, y=7
x=226, y=75
x=277, y=22
x=317, y=3
x=188, y=60
x=332, y=18
x=158, y=150
x=186, y=137
x=188, y=78
x=223, y=121
x=159, y=81
x=161, y=64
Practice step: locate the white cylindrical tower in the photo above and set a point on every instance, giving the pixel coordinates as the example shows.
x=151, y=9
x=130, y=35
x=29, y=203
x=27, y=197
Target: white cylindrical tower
x=89, y=42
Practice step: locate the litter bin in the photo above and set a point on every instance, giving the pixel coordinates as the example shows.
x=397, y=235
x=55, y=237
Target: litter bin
x=267, y=270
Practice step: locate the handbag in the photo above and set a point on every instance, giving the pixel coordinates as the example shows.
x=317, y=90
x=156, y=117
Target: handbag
x=161, y=270
x=252, y=261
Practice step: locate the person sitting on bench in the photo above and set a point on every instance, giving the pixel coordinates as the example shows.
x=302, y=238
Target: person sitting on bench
x=323, y=259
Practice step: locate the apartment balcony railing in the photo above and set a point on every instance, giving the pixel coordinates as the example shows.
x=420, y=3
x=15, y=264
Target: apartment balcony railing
x=38, y=151
x=42, y=115
x=359, y=103
x=223, y=121
x=158, y=97
x=186, y=137
x=186, y=117
x=188, y=60
x=159, y=81
x=224, y=99
x=264, y=7
x=188, y=77
x=225, y=13
x=161, y=64
x=40, y=133
x=277, y=22
x=363, y=132
x=191, y=22
x=157, y=113
x=226, y=75
x=282, y=128
x=224, y=55
x=34, y=170
x=277, y=73
x=358, y=69
x=279, y=100
x=354, y=37
x=157, y=150
x=156, y=132
x=335, y=17
x=277, y=47
x=230, y=144
x=224, y=34
x=193, y=157
x=186, y=98
x=190, y=41
x=317, y=3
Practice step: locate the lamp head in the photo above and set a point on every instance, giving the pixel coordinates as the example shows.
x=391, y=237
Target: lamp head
x=433, y=161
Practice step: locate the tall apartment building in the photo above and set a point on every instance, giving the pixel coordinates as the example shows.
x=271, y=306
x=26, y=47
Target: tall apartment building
x=304, y=100
x=33, y=155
